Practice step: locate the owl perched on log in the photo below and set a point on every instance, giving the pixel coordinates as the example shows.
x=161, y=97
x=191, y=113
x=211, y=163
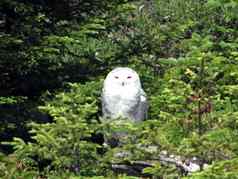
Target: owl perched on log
x=123, y=96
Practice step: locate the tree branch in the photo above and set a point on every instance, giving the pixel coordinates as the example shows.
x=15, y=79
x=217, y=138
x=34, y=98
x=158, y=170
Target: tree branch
x=135, y=168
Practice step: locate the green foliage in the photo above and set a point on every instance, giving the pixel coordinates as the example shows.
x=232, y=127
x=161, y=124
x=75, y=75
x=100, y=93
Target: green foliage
x=222, y=169
x=185, y=53
x=64, y=143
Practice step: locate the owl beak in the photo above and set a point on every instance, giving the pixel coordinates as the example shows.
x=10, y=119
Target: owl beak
x=123, y=83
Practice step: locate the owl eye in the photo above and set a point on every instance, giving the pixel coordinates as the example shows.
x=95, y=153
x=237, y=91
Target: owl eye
x=116, y=77
x=129, y=77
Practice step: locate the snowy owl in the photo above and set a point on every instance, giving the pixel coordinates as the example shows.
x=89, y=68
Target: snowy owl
x=123, y=96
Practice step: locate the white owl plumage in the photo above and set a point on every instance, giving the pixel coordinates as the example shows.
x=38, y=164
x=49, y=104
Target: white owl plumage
x=123, y=96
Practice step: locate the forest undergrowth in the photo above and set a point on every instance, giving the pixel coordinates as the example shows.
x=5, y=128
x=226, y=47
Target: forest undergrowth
x=54, y=56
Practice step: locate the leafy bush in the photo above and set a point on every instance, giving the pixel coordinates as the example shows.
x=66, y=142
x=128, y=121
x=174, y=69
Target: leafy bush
x=64, y=142
x=185, y=53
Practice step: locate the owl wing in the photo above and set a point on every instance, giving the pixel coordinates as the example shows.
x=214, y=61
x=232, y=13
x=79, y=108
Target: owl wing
x=143, y=109
x=145, y=104
x=104, y=104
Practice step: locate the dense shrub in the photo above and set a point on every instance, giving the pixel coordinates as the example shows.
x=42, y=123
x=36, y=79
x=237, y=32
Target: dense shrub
x=52, y=67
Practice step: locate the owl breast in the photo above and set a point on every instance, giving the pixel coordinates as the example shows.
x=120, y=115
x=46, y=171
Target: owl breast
x=121, y=102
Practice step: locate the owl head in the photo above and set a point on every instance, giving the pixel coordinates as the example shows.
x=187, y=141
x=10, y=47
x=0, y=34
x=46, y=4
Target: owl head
x=122, y=77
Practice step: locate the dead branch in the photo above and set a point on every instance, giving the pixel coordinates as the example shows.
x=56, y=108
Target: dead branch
x=135, y=168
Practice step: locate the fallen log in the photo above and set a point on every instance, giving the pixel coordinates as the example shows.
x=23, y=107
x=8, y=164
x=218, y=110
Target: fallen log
x=135, y=168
